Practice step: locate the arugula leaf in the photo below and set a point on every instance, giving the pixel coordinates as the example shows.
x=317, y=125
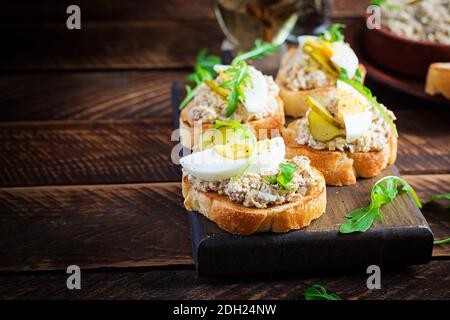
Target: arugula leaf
x=239, y=76
x=287, y=172
x=206, y=61
x=318, y=292
x=358, y=76
x=203, y=70
x=383, y=192
x=261, y=49
x=442, y=241
x=386, y=3
x=333, y=34
x=372, y=99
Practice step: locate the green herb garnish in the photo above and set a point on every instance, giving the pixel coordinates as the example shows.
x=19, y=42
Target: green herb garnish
x=203, y=70
x=439, y=242
x=358, y=86
x=333, y=34
x=434, y=197
x=318, y=292
x=386, y=3
x=383, y=192
x=343, y=74
x=287, y=172
x=239, y=76
x=260, y=50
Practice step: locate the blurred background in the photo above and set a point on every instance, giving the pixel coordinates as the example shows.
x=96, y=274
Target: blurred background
x=143, y=33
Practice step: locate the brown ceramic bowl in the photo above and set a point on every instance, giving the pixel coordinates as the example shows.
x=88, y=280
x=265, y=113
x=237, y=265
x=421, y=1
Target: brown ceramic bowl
x=402, y=55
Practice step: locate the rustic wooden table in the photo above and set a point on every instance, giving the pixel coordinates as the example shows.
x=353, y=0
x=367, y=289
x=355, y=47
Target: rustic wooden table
x=85, y=170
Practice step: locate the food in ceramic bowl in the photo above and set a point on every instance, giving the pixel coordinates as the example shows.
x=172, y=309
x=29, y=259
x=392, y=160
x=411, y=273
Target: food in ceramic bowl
x=414, y=34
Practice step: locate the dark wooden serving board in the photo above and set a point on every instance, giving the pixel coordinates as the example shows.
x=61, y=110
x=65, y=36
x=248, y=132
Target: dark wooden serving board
x=402, y=238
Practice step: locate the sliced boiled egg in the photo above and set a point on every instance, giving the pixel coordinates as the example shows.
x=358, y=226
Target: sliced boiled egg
x=226, y=161
x=353, y=111
x=256, y=91
x=269, y=154
x=213, y=164
x=344, y=57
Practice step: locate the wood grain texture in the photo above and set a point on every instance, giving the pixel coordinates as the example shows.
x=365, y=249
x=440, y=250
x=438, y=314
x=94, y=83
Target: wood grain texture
x=26, y=10
x=127, y=151
x=116, y=226
x=48, y=10
x=418, y=282
x=80, y=152
x=139, y=44
x=423, y=141
x=86, y=95
x=436, y=213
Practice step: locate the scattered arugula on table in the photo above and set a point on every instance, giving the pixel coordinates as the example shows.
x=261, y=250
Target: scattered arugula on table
x=442, y=241
x=358, y=86
x=203, y=70
x=383, y=192
x=386, y=3
x=318, y=292
x=236, y=75
x=333, y=34
x=434, y=197
x=287, y=171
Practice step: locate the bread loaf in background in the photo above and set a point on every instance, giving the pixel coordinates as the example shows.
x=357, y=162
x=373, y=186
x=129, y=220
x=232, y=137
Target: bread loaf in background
x=438, y=79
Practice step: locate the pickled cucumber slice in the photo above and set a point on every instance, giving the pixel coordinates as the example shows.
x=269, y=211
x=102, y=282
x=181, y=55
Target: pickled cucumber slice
x=316, y=106
x=321, y=129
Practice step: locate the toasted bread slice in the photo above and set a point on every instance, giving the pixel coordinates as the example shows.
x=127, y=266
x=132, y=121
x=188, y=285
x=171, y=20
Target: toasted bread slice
x=263, y=128
x=341, y=168
x=295, y=101
x=438, y=79
x=237, y=219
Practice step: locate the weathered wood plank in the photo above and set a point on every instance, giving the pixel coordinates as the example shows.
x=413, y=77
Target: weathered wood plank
x=47, y=10
x=120, y=225
x=139, y=44
x=86, y=95
x=436, y=213
x=418, y=282
x=93, y=226
x=423, y=141
x=79, y=152
x=127, y=151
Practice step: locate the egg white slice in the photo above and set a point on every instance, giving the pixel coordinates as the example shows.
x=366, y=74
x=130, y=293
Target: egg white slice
x=209, y=165
x=269, y=155
x=256, y=92
x=356, y=124
x=344, y=57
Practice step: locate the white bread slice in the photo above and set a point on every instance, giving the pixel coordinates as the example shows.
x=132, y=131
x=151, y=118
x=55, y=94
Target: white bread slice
x=341, y=168
x=295, y=101
x=237, y=219
x=259, y=127
x=438, y=79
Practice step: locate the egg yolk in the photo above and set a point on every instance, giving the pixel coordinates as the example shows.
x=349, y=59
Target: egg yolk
x=348, y=103
x=234, y=151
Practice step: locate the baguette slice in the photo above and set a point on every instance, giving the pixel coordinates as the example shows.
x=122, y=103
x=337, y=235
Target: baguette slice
x=295, y=101
x=237, y=219
x=341, y=168
x=263, y=128
x=438, y=79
